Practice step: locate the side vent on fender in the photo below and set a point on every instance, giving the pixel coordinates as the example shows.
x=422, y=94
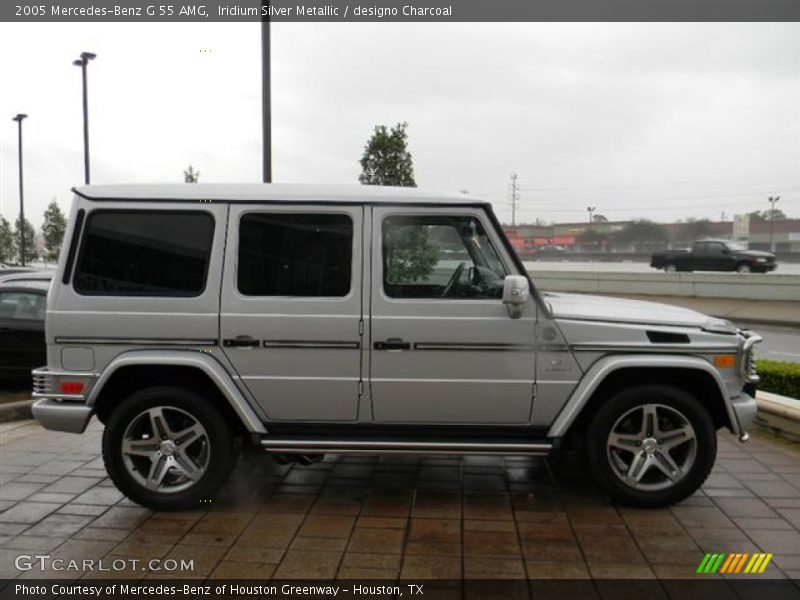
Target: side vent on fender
x=667, y=337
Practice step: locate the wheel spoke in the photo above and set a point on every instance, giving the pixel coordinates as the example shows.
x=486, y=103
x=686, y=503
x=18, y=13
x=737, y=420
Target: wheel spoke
x=675, y=437
x=186, y=466
x=158, y=469
x=140, y=448
x=188, y=436
x=649, y=420
x=624, y=441
x=640, y=464
x=158, y=423
x=665, y=463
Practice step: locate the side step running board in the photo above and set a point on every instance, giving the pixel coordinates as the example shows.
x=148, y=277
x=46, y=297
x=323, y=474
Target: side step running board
x=306, y=446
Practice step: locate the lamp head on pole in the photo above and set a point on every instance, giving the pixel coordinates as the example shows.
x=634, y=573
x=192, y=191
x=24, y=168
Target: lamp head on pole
x=19, y=117
x=84, y=59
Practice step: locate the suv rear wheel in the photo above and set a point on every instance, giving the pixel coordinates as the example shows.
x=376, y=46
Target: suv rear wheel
x=168, y=448
x=651, y=445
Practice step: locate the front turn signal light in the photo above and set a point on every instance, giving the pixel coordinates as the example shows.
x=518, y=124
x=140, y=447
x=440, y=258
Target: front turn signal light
x=725, y=361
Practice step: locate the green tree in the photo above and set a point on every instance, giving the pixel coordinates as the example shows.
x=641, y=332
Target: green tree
x=386, y=159
x=30, y=242
x=410, y=255
x=8, y=248
x=190, y=175
x=643, y=234
x=766, y=215
x=694, y=229
x=593, y=236
x=55, y=224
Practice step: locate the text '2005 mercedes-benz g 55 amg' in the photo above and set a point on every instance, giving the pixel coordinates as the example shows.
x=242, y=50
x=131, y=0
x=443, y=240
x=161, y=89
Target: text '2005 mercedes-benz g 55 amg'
x=314, y=320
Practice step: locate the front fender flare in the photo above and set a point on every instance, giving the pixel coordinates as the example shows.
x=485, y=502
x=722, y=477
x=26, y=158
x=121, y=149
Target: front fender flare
x=598, y=372
x=203, y=361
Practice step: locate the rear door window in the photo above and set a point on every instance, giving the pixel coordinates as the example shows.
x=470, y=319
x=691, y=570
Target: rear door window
x=145, y=253
x=290, y=254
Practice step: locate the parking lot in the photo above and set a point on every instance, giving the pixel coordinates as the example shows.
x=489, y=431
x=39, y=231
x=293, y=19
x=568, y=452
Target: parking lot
x=389, y=517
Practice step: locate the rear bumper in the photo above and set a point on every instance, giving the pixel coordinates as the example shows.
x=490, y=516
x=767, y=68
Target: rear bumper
x=72, y=417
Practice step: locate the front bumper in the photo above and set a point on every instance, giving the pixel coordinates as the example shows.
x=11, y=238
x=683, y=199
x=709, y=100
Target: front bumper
x=72, y=417
x=744, y=408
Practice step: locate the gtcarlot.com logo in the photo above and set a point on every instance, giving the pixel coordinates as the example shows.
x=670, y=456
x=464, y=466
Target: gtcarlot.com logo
x=44, y=562
x=734, y=563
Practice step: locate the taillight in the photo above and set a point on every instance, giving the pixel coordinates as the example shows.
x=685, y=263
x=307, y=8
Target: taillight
x=71, y=387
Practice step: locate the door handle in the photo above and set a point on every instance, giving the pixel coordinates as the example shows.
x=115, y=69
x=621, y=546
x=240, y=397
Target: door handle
x=241, y=341
x=392, y=344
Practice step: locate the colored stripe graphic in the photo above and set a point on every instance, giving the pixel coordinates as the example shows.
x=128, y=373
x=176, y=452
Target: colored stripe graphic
x=734, y=563
x=711, y=563
x=767, y=558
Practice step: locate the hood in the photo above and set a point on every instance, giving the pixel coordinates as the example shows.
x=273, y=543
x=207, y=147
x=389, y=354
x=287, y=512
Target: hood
x=755, y=253
x=621, y=310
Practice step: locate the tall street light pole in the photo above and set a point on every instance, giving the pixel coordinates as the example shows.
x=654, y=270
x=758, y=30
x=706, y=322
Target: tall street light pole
x=266, y=98
x=19, y=118
x=82, y=62
x=772, y=202
x=590, y=210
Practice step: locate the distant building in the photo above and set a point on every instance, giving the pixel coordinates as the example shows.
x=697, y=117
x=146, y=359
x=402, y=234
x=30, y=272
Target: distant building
x=599, y=237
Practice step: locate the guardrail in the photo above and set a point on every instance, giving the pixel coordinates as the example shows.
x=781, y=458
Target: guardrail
x=744, y=286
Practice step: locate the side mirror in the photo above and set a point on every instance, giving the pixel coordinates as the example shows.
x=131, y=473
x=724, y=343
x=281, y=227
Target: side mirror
x=516, y=291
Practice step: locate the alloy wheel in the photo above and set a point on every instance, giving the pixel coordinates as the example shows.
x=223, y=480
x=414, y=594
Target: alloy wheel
x=651, y=447
x=165, y=449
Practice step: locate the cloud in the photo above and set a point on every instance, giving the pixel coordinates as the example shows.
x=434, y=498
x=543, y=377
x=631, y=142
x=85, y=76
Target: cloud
x=653, y=120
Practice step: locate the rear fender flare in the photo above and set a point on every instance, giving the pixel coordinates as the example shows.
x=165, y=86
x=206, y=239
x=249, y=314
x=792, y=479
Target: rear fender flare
x=202, y=361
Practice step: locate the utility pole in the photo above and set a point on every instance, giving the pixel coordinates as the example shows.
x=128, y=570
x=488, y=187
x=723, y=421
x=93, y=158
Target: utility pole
x=772, y=202
x=82, y=62
x=266, y=98
x=19, y=118
x=514, y=198
x=590, y=210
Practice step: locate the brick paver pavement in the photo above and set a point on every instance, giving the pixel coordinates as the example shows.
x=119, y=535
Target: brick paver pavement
x=388, y=517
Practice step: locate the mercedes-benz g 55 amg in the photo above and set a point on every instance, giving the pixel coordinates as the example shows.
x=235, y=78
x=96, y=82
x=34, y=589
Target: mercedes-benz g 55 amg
x=314, y=320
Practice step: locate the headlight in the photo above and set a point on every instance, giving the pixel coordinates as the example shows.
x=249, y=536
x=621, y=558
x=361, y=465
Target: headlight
x=749, y=359
x=720, y=326
x=761, y=260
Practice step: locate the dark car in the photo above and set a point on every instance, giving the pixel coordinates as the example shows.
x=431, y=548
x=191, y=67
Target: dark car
x=26, y=276
x=22, y=310
x=715, y=255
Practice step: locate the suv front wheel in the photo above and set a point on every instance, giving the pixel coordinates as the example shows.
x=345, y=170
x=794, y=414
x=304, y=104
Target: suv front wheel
x=651, y=445
x=168, y=448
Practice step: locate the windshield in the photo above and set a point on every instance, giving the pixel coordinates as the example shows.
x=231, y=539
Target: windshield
x=736, y=245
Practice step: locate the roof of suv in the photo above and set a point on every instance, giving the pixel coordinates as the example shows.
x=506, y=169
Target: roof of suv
x=273, y=192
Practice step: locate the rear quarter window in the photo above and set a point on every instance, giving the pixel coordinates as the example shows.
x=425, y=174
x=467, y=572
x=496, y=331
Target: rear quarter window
x=144, y=253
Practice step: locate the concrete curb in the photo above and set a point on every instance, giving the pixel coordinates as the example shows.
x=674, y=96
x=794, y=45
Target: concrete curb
x=779, y=414
x=15, y=411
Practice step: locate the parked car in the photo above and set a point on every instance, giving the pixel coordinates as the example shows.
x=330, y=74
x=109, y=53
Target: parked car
x=715, y=255
x=22, y=310
x=26, y=276
x=313, y=319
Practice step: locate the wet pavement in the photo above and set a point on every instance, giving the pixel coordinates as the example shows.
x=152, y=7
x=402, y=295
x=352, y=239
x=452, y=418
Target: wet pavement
x=389, y=517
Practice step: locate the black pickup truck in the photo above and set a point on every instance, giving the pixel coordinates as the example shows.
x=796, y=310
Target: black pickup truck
x=715, y=255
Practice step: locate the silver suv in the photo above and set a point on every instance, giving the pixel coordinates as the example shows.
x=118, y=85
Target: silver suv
x=194, y=318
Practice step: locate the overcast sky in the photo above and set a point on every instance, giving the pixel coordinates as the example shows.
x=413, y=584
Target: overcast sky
x=661, y=121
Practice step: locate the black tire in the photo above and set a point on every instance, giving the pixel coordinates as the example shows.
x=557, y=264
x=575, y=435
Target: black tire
x=600, y=428
x=744, y=268
x=221, y=453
